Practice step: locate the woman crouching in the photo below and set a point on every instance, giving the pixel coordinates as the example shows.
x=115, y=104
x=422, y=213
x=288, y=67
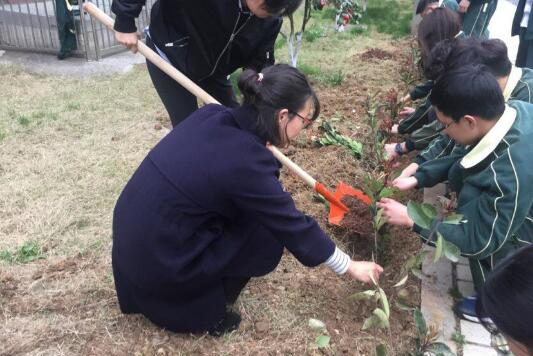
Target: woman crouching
x=205, y=210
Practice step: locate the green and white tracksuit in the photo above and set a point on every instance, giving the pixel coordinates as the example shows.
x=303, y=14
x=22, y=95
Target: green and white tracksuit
x=495, y=195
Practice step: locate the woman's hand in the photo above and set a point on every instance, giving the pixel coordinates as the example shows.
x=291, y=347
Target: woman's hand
x=395, y=213
x=394, y=129
x=405, y=183
x=406, y=98
x=406, y=111
x=463, y=6
x=128, y=39
x=361, y=271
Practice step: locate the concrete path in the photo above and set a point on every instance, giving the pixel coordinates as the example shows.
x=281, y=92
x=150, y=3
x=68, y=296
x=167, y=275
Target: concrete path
x=440, y=282
x=71, y=67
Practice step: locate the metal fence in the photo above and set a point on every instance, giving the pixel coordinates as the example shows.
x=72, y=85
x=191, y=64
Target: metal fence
x=31, y=25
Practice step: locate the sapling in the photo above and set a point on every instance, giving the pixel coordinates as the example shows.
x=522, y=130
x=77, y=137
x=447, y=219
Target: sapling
x=429, y=217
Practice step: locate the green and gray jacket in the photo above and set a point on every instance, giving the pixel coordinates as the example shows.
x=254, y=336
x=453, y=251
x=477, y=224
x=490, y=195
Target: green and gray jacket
x=519, y=87
x=493, y=182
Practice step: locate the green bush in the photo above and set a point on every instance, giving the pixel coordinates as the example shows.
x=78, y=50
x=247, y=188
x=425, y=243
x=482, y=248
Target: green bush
x=389, y=16
x=26, y=253
x=314, y=32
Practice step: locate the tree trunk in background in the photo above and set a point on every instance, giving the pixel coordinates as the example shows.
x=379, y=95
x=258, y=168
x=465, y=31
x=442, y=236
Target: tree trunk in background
x=416, y=19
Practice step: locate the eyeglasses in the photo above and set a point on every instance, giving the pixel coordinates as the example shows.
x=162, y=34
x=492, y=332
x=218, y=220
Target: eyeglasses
x=307, y=122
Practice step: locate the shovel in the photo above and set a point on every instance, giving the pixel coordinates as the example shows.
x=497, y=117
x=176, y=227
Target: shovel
x=337, y=208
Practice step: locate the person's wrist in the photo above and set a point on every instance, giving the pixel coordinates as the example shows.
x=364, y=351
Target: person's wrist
x=398, y=149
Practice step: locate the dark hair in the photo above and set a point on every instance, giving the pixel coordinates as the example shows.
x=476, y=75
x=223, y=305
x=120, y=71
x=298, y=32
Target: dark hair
x=282, y=87
x=422, y=5
x=452, y=54
x=441, y=24
x=507, y=297
x=282, y=7
x=468, y=90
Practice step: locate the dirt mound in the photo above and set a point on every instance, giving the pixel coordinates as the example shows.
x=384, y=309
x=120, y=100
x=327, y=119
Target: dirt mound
x=376, y=53
x=359, y=219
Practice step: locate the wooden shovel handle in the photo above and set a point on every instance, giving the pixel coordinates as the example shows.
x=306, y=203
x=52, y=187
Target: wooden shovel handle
x=188, y=84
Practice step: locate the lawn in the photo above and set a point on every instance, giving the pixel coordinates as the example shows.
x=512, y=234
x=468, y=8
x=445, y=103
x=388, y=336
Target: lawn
x=67, y=148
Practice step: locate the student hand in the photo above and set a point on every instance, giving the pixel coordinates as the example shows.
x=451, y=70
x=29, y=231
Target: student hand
x=406, y=98
x=361, y=271
x=390, y=151
x=463, y=6
x=394, y=129
x=406, y=111
x=405, y=183
x=408, y=171
x=128, y=39
x=395, y=213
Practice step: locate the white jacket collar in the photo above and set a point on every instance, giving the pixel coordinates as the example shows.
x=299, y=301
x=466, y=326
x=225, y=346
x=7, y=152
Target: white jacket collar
x=491, y=140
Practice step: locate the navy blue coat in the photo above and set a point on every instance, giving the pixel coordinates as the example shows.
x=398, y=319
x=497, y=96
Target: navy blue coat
x=204, y=205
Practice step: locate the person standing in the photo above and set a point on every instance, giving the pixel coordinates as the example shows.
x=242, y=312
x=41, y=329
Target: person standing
x=477, y=15
x=206, y=40
x=523, y=27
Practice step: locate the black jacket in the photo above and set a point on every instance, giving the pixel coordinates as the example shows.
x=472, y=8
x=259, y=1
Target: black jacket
x=205, y=37
x=519, y=13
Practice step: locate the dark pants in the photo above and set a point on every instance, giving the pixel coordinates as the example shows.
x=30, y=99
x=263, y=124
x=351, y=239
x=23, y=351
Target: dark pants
x=524, y=57
x=178, y=101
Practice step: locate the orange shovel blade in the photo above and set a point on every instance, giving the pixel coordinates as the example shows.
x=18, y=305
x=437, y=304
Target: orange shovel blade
x=336, y=213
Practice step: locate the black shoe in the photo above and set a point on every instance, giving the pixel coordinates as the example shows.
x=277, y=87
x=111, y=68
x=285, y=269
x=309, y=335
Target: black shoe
x=63, y=55
x=466, y=309
x=229, y=323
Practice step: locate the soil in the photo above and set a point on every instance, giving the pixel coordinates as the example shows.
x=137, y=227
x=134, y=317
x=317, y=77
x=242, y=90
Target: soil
x=359, y=218
x=376, y=53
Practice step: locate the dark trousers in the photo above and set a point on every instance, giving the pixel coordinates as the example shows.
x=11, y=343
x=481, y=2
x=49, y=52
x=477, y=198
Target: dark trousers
x=524, y=57
x=233, y=287
x=177, y=100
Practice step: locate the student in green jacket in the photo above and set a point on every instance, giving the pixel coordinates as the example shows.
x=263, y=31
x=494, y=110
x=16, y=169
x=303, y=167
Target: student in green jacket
x=489, y=169
x=477, y=15
x=439, y=25
x=516, y=84
x=424, y=8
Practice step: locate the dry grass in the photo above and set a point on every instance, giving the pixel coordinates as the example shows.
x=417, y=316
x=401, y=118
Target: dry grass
x=67, y=147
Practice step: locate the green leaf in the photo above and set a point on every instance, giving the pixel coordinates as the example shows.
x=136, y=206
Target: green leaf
x=370, y=322
x=451, y=251
x=381, y=350
x=429, y=210
x=379, y=221
x=410, y=263
x=384, y=302
x=382, y=317
x=316, y=324
x=366, y=295
x=438, y=248
x=387, y=192
x=319, y=198
x=440, y=348
x=421, y=257
x=417, y=273
x=402, y=281
x=454, y=219
x=403, y=306
x=418, y=215
x=420, y=322
x=322, y=341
